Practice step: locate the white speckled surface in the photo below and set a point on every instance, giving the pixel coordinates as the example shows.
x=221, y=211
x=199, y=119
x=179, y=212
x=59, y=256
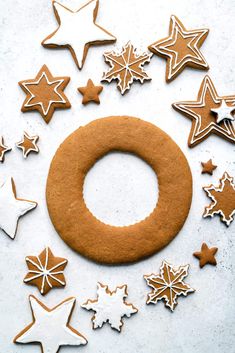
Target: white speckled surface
x=202, y=322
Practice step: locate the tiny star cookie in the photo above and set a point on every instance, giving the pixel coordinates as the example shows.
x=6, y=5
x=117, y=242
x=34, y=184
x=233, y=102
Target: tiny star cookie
x=204, y=120
x=50, y=327
x=126, y=66
x=77, y=30
x=208, y=167
x=181, y=49
x=45, y=271
x=90, y=92
x=206, y=255
x=12, y=208
x=168, y=285
x=3, y=149
x=223, y=199
x=28, y=144
x=110, y=307
x=224, y=112
x=45, y=93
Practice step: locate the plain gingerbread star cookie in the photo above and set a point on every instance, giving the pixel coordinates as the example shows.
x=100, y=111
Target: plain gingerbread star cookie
x=206, y=255
x=110, y=307
x=208, y=167
x=77, y=30
x=90, y=92
x=50, y=327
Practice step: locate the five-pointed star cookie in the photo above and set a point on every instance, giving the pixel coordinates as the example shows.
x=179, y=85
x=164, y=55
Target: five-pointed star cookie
x=12, y=208
x=223, y=199
x=181, y=48
x=45, y=271
x=110, y=307
x=50, y=327
x=206, y=255
x=208, y=167
x=224, y=112
x=45, y=93
x=90, y=92
x=126, y=66
x=168, y=285
x=204, y=121
x=77, y=30
x=3, y=149
x=28, y=144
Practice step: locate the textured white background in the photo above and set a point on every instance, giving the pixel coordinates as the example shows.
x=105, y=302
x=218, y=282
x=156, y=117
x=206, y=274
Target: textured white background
x=202, y=322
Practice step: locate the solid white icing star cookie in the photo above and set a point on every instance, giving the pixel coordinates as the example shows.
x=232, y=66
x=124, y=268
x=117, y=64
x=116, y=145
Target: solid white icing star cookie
x=77, y=30
x=12, y=208
x=223, y=112
x=50, y=327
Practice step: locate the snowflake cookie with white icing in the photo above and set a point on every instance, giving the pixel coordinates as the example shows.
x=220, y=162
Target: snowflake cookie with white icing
x=110, y=307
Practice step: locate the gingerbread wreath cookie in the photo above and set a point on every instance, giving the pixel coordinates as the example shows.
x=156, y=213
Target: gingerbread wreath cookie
x=168, y=285
x=208, y=167
x=110, y=307
x=90, y=92
x=223, y=199
x=207, y=114
x=45, y=271
x=69, y=213
x=28, y=144
x=50, y=327
x=77, y=30
x=3, y=149
x=181, y=49
x=45, y=93
x=206, y=255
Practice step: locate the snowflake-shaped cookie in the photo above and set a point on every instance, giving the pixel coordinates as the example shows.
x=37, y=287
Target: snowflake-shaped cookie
x=110, y=307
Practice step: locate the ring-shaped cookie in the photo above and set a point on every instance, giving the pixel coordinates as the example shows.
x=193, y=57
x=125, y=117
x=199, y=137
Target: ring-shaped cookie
x=75, y=223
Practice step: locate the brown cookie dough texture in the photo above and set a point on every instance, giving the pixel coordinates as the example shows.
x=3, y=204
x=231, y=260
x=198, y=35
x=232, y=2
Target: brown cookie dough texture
x=75, y=223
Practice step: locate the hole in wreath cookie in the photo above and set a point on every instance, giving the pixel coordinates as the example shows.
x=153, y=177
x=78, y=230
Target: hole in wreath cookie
x=121, y=189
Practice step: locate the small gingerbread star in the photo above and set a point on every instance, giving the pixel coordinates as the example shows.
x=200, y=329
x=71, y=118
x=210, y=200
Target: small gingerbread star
x=208, y=167
x=3, y=150
x=28, y=144
x=206, y=255
x=90, y=92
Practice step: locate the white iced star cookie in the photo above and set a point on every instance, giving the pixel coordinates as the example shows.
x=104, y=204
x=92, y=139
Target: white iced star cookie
x=224, y=112
x=77, y=30
x=110, y=307
x=12, y=208
x=50, y=327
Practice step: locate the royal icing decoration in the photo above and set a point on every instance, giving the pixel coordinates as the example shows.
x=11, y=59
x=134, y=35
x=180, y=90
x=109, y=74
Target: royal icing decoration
x=28, y=144
x=77, y=30
x=110, y=307
x=208, y=167
x=50, y=327
x=3, y=149
x=45, y=271
x=45, y=93
x=204, y=120
x=126, y=66
x=206, y=255
x=181, y=48
x=223, y=199
x=90, y=92
x=224, y=112
x=12, y=208
x=168, y=285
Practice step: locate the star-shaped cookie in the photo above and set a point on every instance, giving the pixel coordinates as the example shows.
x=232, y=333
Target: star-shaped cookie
x=12, y=208
x=28, y=144
x=223, y=199
x=208, y=167
x=77, y=30
x=168, y=285
x=50, y=327
x=206, y=255
x=45, y=271
x=45, y=93
x=204, y=120
x=181, y=48
x=126, y=67
x=110, y=307
x=3, y=149
x=90, y=92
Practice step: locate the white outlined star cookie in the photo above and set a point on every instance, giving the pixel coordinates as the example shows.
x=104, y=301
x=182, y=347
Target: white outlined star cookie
x=181, y=49
x=3, y=149
x=77, y=30
x=204, y=120
x=28, y=144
